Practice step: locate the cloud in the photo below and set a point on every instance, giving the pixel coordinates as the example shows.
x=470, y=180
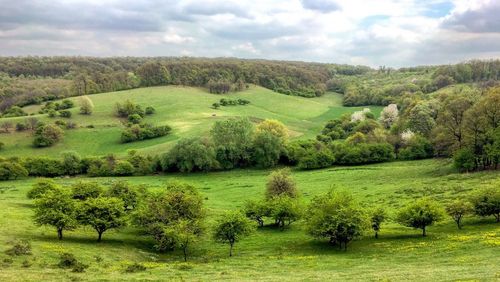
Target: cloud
x=324, y=6
x=482, y=17
x=383, y=32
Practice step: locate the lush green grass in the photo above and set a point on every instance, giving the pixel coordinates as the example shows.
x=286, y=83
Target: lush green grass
x=399, y=254
x=187, y=110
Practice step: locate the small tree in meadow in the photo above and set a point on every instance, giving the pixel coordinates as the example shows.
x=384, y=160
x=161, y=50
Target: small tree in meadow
x=420, y=214
x=377, y=216
x=281, y=183
x=458, y=209
x=184, y=233
x=102, y=214
x=84, y=190
x=41, y=187
x=57, y=209
x=86, y=106
x=231, y=228
x=487, y=202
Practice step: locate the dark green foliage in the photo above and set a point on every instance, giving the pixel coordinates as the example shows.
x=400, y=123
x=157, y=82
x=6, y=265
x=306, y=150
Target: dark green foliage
x=69, y=261
x=47, y=135
x=377, y=217
x=102, y=214
x=124, y=191
x=71, y=162
x=192, y=154
x=123, y=168
x=417, y=148
x=14, y=111
x=138, y=132
x=65, y=114
x=231, y=228
x=149, y=110
x=336, y=217
x=420, y=214
x=10, y=169
x=41, y=187
x=153, y=73
x=233, y=141
x=230, y=102
x=128, y=108
x=46, y=167
x=135, y=118
x=486, y=202
x=267, y=149
x=362, y=153
x=86, y=190
x=135, y=267
x=19, y=248
x=464, y=160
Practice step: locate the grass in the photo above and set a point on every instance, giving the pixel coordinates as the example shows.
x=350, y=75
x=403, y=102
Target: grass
x=399, y=254
x=188, y=110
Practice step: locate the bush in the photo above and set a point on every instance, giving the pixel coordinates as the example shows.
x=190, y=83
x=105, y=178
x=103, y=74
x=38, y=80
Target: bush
x=20, y=248
x=136, y=267
x=69, y=261
x=45, y=167
x=135, y=118
x=47, y=135
x=281, y=183
x=71, y=162
x=65, y=114
x=418, y=147
x=192, y=154
x=11, y=170
x=123, y=168
x=420, y=214
x=143, y=132
x=149, y=110
x=464, y=160
x=21, y=126
x=486, y=202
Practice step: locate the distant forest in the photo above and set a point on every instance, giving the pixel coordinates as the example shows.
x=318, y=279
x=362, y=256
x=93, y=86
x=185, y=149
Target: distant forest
x=33, y=80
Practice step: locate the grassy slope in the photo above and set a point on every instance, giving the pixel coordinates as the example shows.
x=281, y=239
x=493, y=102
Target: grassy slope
x=399, y=254
x=186, y=109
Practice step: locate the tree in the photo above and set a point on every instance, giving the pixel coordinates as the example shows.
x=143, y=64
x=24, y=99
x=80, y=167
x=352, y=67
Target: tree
x=464, y=160
x=273, y=127
x=71, y=162
x=86, y=106
x=377, y=216
x=256, y=210
x=47, y=135
x=420, y=214
x=124, y=191
x=267, y=149
x=41, y=187
x=163, y=210
x=389, y=115
x=84, y=190
x=184, y=233
x=57, y=209
x=102, y=214
x=285, y=210
x=458, y=209
x=280, y=183
x=336, y=216
x=486, y=202
x=190, y=154
x=233, y=140
x=153, y=73
x=231, y=228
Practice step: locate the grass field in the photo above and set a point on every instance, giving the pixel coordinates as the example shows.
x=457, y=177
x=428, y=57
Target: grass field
x=447, y=254
x=187, y=110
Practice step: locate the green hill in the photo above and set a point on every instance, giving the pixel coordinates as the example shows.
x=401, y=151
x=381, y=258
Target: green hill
x=187, y=110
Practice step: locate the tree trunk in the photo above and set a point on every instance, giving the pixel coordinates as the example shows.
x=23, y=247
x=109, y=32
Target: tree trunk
x=376, y=235
x=497, y=217
x=423, y=231
x=59, y=233
x=231, y=249
x=185, y=253
x=100, y=236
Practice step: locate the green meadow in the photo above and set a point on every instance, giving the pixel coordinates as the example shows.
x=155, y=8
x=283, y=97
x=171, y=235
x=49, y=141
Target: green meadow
x=187, y=110
x=400, y=253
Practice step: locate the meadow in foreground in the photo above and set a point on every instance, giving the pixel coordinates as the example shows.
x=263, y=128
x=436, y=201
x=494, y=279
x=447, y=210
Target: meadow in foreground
x=399, y=254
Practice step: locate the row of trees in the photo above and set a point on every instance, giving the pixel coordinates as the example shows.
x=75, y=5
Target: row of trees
x=175, y=217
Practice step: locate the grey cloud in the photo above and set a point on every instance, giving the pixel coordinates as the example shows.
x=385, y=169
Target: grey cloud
x=214, y=8
x=484, y=19
x=324, y=6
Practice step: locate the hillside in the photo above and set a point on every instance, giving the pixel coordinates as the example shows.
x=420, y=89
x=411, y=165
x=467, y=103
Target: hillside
x=187, y=110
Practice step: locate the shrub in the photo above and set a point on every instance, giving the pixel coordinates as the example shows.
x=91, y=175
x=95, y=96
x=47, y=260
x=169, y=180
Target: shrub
x=135, y=267
x=68, y=260
x=123, y=168
x=285, y=210
x=71, y=162
x=20, y=248
x=47, y=135
x=418, y=147
x=86, y=106
x=281, y=183
x=143, y=132
x=149, y=110
x=267, y=149
x=11, y=170
x=21, y=126
x=377, y=216
x=486, y=202
x=45, y=167
x=135, y=118
x=464, y=160
x=65, y=114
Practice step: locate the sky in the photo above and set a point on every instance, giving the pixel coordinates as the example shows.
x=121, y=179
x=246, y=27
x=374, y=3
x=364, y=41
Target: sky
x=393, y=33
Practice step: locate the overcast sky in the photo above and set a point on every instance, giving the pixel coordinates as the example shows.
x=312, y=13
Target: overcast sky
x=369, y=32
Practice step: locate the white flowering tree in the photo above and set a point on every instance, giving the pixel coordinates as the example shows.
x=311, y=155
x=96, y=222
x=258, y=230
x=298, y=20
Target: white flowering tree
x=389, y=115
